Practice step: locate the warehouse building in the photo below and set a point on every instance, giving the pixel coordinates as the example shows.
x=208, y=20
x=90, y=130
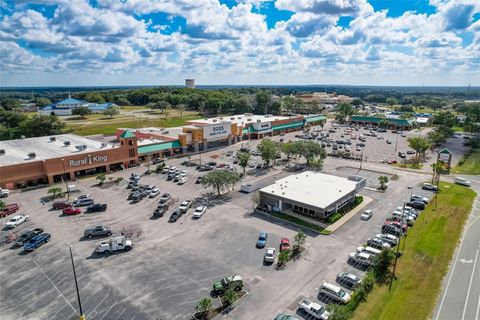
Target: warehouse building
x=51, y=159
x=311, y=194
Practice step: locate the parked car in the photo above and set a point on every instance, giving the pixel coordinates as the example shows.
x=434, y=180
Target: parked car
x=199, y=180
x=402, y=155
x=410, y=152
x=377, y=244
x=361, y=258
x=185, y=205
x=83, y=202
x=348, y=280
x=182, y=180
x=419, y=198
x=367, y=214
x=70, y=211
x=262, y=239
x=269, y=255
x=154, y=192
x=417, y=205
x=334, y=292
x=175, y=215
x=284, y=316
x=234, y=282
x=9, y=209
x=134, y=177
x=313, y=310
x=26, y=235
x=58, y=205
x=97, y=231
x=389, y=141
x=284, y=244
x=369, y=250
x=388, y=238
x=97, y=207
x=83, y=196
x=199, y=211
x=165, y=197
x=462, y=182
x=430, y=187
x=4, y=193
x=36, y=242
x=161, y=209
x=16, y=221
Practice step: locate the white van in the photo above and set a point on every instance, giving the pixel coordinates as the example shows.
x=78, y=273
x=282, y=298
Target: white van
x=369, y=250
x=334, y=292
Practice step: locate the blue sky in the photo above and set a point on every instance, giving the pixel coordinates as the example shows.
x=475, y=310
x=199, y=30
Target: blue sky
x=104, y=42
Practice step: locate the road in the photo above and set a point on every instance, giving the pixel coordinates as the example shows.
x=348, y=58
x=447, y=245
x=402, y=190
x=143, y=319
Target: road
x=460, y=298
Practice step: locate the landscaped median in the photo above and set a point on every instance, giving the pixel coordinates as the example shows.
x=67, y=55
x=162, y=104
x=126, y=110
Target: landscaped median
x=428, y=251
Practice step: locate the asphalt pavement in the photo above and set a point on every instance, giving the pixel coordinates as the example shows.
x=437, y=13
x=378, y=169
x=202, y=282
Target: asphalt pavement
x=460, y=298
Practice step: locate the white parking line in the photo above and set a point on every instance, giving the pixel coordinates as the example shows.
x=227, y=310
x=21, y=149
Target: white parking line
x=88, y=315
x=120, y=313
x=469, y=286
x=32, y=304
x=108, y=310
x=53, y=284
x=20, y=289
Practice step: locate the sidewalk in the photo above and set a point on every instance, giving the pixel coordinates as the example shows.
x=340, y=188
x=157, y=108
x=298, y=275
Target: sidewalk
x=334, y=226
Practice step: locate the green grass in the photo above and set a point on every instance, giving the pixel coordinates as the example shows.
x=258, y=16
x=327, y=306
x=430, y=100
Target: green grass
x=429, y=248
x=457, y=129
x=298, y=221
x=109, y=127
x=471, y=165
x=134, y=108
x=409, y=165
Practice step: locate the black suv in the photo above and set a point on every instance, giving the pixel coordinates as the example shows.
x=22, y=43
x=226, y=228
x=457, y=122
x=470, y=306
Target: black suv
x=97, y=207
x=160, y=211
x=417, y=205
x=175, y=215
x=27, y=235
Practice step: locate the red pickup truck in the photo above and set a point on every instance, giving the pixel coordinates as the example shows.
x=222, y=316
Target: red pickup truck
x=70, y=211
x=9, y=209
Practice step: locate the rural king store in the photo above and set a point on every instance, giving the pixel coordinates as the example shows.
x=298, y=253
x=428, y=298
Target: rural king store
x=46, y=160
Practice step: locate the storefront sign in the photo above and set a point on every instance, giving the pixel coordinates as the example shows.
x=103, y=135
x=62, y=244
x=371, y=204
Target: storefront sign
x=262, y=126
x=217, y=131
x=89, y=159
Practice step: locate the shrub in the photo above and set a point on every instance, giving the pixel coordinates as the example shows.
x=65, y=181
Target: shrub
x=118, y=180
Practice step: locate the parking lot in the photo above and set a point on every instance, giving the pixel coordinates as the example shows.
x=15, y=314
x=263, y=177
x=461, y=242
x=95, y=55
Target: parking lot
x=173, y=265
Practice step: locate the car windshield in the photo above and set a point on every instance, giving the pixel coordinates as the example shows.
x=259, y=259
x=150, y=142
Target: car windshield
x=341, y=293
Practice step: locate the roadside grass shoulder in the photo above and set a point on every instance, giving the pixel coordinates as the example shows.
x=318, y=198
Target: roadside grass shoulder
x=429, y=248
x=469, y=165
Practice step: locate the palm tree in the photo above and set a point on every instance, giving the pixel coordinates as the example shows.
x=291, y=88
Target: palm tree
x=283, y=258
x=230, y=297
x=383, y=180
x=53, y=191
x=2, y=205
x=299, y=239
x=204, y=306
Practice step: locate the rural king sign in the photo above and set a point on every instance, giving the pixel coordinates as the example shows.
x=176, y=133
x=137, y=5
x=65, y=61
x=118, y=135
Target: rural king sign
x=89, y=159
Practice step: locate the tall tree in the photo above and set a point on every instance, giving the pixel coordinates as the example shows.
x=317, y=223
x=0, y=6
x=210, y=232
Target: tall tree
x=219, y=180
x=10, y=104
x=81, y=111
x=268, y=150
x=263, y=100
x=419, y=144
x=243, y=158
x=344, y=110
x=94, y=97
x=42, y=102
x=41, y=125
x=391, y=101
x=111, y=111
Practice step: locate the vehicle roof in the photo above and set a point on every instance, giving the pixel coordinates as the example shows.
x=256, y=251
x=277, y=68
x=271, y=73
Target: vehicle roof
x=331, y=286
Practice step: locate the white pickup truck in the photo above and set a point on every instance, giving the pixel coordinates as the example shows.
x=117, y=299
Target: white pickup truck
x=114, y=244
x=16, y=221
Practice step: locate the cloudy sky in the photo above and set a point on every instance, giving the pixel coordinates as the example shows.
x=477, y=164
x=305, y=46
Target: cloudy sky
x=149, y=42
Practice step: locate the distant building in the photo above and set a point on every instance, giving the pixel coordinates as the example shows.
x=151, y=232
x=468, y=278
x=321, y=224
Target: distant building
x=190, y=83
x=65, y=107
x=324, y=98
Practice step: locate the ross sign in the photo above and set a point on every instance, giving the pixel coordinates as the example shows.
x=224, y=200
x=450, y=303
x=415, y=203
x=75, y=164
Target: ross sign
x=89, y=159
x=217, y=131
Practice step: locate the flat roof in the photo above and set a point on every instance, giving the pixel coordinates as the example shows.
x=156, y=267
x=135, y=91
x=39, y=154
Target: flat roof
x=16, y=151
x=171, y=132
x=239, y=118
x=312, y=188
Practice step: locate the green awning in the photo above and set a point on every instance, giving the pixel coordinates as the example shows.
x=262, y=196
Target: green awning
x=398, y=122
x=158, y=147
x=315, y=119
x=288, y=126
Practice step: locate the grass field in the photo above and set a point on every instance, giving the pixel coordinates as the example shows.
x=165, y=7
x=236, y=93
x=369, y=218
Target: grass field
x=471, y=164
x=429, y=249
x=457, y=129
x=99, y=124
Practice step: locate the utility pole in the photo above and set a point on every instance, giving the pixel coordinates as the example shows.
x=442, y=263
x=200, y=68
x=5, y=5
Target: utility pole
x=82, y=316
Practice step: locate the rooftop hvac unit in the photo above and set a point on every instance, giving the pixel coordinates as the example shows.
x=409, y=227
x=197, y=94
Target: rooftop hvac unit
x=2, y=152
x=258, y=120
x=232, y=118
x=249, y=119
x=214, y=120
x=104, y=144
x=81, y=147
x=32, y=155
x=166, y=132
x=66, y=143
x=52, y=139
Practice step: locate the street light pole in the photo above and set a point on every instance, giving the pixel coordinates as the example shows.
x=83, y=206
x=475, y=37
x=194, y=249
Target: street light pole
x=65, y=179
x=82, y=316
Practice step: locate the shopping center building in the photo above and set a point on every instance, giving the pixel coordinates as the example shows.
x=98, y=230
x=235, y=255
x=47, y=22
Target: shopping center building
x=203, y=134
x=46, y=160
